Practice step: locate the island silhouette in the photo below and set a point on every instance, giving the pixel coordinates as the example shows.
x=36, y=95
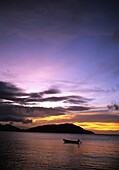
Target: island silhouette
x=9, y=127
x=60, y=128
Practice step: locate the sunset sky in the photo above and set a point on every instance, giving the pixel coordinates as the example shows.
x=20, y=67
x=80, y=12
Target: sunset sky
x=59, y=63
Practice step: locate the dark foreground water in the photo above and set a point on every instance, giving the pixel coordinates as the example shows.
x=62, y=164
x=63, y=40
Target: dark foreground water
x=43, y=151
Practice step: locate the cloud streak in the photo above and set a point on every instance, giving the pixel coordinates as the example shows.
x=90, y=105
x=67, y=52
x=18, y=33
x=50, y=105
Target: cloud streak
x=98, y=117
x=14, y=103
x=14, y=94
x=15, y=119
x=10, y=92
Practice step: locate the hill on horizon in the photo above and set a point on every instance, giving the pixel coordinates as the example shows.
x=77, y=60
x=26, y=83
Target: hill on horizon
x=9, y=127
x=61, y=128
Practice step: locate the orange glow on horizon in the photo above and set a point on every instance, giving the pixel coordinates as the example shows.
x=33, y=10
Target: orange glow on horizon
x=54, y=118
x=93, y=126
x=99, y=126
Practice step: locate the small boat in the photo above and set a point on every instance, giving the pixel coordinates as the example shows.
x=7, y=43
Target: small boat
x=72, y=141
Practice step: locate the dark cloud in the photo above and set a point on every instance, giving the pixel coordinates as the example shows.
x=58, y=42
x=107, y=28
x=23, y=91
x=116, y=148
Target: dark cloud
x=53, y=99
x=99, y=90
x=8, y=89
x=11, y=92
x=14, y=103
x=72, y=101
x=38, y=96
x=113, y=106
x=10, y=118
x=77, y=108
x=94, y=90
x=14, y=94
x=23, y=111
x=67, y=99
x=99, y=117
x=51, y=91
x=35, y=95
x=11, y=112
x=14, y=113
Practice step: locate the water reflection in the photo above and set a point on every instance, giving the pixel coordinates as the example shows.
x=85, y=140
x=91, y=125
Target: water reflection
x=29, y=151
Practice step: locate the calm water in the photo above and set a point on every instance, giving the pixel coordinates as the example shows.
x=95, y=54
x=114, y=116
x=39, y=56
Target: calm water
x=43, y=151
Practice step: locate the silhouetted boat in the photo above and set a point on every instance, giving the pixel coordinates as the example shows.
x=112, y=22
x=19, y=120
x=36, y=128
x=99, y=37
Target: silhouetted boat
x=72, y=141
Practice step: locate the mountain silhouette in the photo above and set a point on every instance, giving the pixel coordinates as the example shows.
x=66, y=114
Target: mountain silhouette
x=61, y=128
x=9, y=127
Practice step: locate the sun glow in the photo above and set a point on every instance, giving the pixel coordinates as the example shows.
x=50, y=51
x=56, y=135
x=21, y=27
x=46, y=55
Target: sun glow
x=54, y=118
x=99, y=126
x=93, y=126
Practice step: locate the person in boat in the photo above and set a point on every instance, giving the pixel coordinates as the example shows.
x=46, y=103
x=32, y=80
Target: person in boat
x=79, y=141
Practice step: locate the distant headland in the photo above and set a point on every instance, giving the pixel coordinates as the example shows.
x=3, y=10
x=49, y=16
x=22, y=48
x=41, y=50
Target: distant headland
x=61, y=128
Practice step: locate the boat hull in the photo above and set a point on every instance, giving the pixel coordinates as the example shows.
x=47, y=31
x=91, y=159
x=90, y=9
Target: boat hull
x=71, y=141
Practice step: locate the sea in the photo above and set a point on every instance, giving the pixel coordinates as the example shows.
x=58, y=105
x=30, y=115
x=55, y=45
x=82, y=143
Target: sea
x=47, y=151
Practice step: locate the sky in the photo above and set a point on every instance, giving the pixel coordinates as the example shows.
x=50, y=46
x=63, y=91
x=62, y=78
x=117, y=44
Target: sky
x=59, y=63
